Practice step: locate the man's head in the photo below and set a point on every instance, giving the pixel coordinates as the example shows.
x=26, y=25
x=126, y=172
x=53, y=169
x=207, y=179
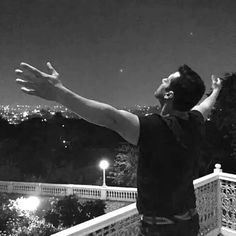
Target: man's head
x=184, y=88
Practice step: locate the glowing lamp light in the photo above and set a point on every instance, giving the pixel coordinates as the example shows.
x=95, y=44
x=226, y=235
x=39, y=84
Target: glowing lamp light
x=28, y=204
x=104, y=164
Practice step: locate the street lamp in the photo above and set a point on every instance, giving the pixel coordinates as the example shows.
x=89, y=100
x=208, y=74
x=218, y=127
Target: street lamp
x=104, y=164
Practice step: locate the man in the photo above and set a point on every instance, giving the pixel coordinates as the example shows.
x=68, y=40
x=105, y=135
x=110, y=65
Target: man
x=168, y=142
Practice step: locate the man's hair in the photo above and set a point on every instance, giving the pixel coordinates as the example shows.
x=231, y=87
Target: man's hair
x=188, y=89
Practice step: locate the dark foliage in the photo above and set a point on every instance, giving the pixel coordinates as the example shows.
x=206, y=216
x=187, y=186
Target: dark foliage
x=14, y=222
x=70, y=211
x=124, y=170
x=221, y=127
x=60, y=214
x=56, y=150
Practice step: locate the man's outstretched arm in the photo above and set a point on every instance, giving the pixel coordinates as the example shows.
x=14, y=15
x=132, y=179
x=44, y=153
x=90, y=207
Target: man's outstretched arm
x=205, y=107
x=49, y=87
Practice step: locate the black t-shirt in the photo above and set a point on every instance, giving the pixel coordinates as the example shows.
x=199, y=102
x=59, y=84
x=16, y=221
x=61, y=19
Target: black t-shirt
x=168, y=162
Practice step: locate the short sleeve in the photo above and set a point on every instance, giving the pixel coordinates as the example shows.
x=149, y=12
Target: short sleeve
x=199, y=122
x=149, y=128
x=198, y=116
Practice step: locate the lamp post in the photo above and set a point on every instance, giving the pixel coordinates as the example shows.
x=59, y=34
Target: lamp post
x=104, y=164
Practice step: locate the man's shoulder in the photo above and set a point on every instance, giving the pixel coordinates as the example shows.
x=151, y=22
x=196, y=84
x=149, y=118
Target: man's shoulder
x=196, y=115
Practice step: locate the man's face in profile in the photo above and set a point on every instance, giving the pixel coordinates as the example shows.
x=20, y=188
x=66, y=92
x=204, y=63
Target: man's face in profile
x=162, y=89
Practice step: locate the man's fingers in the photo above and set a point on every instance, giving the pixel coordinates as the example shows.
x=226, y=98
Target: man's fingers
x=24, y=83
x=28, y=91
x=18, y=71
x=20, y=81
x=219, y=80
x=31, y=69
x=51, y=69
x=24, y=76
x=213, y=78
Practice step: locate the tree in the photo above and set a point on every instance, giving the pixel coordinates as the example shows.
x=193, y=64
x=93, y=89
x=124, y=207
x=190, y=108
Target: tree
x=69, y=211
x=16, y=222
x=221, y=126
x=124, y=171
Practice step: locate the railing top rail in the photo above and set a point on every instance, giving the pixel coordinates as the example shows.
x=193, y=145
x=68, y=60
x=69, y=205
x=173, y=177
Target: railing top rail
x=72, y=186
x=33, y=183
x=227, y=176
x=205, y=179
x=122, y=188
x=18, y=182
x=99, y=222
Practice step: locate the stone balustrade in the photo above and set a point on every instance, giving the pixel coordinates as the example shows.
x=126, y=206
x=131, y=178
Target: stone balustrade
x=82, y=191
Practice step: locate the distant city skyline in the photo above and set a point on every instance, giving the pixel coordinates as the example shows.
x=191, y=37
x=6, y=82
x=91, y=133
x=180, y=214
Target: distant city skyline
x=114, y=51
x=16, y=114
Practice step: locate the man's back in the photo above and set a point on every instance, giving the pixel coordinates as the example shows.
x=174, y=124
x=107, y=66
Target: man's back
x=167, y=163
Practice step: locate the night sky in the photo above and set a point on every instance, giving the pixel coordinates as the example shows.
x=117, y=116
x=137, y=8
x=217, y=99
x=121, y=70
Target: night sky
x=115, y=51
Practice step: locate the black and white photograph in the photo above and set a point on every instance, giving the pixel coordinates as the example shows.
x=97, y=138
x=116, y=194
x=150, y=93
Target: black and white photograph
x=117, y=118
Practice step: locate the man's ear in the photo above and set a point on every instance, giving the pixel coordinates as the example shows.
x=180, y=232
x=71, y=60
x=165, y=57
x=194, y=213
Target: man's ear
x=169, y=95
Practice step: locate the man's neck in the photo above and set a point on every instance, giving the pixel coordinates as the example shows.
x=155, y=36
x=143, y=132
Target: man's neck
x=167, y=110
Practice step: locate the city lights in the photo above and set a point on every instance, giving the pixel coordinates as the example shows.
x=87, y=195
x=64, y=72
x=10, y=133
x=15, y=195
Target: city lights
x=18, y=113
x=25, y=114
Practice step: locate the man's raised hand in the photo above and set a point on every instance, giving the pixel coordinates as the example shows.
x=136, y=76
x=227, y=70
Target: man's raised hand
x=216, y=83
x=38, y=83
